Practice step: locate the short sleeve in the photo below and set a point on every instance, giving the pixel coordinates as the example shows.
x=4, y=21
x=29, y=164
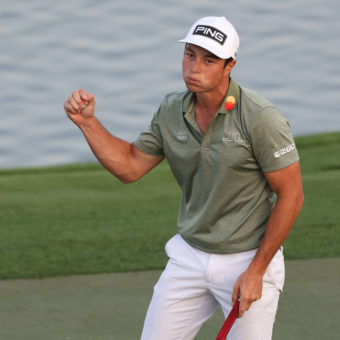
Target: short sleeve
x=272, y=140
x=150, y=141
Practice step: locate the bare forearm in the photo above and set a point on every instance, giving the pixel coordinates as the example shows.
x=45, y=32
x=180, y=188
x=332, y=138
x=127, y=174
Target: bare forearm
x=287, y=184
x=249, y=285
x=278, y=227
x=113, y=153
x=119, y=157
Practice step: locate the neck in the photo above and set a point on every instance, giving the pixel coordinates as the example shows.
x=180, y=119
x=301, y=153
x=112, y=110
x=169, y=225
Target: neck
x=212, y=100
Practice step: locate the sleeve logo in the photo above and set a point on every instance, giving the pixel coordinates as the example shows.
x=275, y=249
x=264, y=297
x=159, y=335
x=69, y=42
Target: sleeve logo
x=285, y=150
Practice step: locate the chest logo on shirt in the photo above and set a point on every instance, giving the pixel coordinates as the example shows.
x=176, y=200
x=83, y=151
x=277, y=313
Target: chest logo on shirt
x=233, y=137
x=182, y=136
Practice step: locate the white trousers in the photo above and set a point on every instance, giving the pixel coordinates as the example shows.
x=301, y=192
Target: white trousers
x=193, y=285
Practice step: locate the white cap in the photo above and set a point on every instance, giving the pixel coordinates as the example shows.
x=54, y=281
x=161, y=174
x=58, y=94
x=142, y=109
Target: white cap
x=215, y=34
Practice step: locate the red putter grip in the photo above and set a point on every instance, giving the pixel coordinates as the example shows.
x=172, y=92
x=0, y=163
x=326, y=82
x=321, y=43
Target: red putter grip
x=229, y=322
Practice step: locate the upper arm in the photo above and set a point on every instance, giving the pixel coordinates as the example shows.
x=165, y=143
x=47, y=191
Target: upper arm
x=272, y=140
x=140, y=164
x=286, y=181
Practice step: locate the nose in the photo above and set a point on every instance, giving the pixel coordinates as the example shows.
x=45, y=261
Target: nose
x=196, y=66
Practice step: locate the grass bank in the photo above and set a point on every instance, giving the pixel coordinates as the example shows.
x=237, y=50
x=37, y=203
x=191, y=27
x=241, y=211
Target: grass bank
x=78, y=219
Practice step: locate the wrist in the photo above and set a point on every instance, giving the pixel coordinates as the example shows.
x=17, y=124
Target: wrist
x=257, y=268
x=87, y=123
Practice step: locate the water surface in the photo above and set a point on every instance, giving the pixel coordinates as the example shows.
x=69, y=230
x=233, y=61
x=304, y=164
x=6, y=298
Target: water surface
x=127, y=54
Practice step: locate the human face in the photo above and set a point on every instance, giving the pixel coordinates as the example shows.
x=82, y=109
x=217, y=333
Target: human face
x=203, y=71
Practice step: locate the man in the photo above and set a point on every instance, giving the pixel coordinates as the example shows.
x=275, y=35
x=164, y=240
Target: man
x=231, y=151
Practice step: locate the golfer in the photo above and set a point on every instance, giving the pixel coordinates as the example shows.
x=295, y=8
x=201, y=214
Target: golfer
x=234, y=158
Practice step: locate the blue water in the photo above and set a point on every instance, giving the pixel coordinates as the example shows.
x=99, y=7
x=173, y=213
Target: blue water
x=127, y=54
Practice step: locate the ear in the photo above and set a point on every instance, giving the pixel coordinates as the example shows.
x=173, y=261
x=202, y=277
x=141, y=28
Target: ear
x=229, y=67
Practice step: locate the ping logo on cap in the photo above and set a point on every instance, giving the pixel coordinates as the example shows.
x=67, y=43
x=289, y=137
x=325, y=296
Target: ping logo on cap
x=210, y=32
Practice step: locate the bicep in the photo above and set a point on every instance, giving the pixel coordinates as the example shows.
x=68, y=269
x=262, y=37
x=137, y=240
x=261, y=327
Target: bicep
x=286, y=180
x=142, y=162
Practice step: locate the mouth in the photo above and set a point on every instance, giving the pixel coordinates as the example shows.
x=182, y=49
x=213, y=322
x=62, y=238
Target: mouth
x=193, y=81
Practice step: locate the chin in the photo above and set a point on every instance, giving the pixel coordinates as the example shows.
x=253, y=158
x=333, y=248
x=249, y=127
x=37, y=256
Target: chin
x=193, y=88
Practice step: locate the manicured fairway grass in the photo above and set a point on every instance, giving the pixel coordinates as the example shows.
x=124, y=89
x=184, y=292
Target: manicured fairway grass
x=79, y=219
x=316, y=233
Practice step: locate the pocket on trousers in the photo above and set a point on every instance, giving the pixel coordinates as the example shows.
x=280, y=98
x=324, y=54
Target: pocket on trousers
x=275, y=273
x=181, y=253
x=171, y=244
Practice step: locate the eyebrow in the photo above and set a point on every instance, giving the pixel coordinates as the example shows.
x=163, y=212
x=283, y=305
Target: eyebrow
x=208, y=55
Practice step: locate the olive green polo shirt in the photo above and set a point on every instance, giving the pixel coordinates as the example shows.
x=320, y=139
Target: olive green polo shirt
x=226, y=200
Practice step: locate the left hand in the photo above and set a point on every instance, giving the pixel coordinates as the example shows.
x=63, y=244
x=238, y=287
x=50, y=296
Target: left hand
x=248, y=288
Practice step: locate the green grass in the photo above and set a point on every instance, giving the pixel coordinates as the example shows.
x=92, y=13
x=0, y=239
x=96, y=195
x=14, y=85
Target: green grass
x=79, y=219
x=316, y=233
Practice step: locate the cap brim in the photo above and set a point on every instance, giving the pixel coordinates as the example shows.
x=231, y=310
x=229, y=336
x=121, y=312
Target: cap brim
x=205, y=45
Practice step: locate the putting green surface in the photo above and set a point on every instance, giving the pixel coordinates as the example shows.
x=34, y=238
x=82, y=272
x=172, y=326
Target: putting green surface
x=113, y=306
